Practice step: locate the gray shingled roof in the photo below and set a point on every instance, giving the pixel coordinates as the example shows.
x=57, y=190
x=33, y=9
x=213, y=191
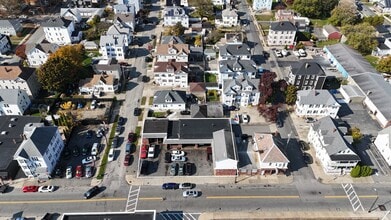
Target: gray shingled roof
x=175, y=97
x=56, y=22
x=224, y=147
x=235, y=50
x=117, y=29
x=10, y=23
x=175, y=39
x=10, y=96
x=242, y=82
x=228, y=12
x=352, y=61
x=330, y=28
x=44, y=47
x=352, y=91
x=309, y=68
x=110, y=39
x=316, y=97
x=248, y=66
x=386, y=131
x=333, y=139
x=282, y=26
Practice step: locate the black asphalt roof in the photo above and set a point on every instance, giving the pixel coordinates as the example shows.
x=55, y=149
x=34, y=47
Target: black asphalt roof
x=309, y=68
x=155, y=126
x=201, y=128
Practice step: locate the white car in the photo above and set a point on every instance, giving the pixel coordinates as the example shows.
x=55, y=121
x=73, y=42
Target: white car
x=245, y=118
x=95, y=149
x=44, y=189
x=69, y=172
x=190, y=193
x=88, y=171
x=278, y=53
x=93, y=104
x=178, y=153
x=284, y=52
x=111, y=155
x=151, y=151
x=178, y=158
x=88, y=160
x=186, y=186
x=302, y=53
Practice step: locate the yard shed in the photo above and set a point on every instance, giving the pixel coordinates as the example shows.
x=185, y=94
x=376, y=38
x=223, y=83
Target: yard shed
x=331, y=32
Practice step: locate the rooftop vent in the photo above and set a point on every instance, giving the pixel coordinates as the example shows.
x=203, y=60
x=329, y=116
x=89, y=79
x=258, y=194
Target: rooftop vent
x=10, y=125
x=4, y=132
x=14, y=119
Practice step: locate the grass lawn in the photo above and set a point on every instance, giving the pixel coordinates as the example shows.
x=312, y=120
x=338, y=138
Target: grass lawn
x=159, y=114
x=103, y=163
x=372, y=60
x=319, y=22
x=87, y=61
x=210, y=77
x=150, y=101
x=264, y=17
x=138, y=133
x=321, y=44
x=143, y=100
x=213, y=96
x=15, y=40
x=140, y=117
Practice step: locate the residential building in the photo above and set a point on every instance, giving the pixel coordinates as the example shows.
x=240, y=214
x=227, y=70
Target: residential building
x=117, y=30
x=77, y=15
x=284, y=15
x=124, y=9
x=332, y=146
x=99, y=83
x=241, y=91
x=15, y=77
x=5, y=44
x=383, y=47
x=215, y=135
x=316, y=103
x=174, y=14
x=183, y=3
x=331, y=32
x=61, y=31
x=136, y=4
x=228, y=18
x=10, y=27
x=11, y=139
x=209, y=110
x=281, y=33
x=271, y=159
x=86, y=3
x=172, y=51
x=309, y=75
x=13, y=101
x=385, y=6
x=232, y=69
x=382, y=143
x=174, y=74
x=169, y=100
x=234, y=38
x=262, y=5
x=40, y=150
x=235, y=52
x=198, y=89
x=109, y=67
x=111, y=46
x=126, y=20
x=38, y=54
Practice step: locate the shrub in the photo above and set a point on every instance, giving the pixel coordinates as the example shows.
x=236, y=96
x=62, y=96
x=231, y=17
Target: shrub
x=355, y=172
x=365, y=171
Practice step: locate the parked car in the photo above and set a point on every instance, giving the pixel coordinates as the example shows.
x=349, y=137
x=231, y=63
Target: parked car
x=188, y=169
x=89, y=171
x=307, y=158
x=178, y=158
x=185, y=112
x=170, y=186
x=132, y=137
x=151, y=151
x=118, y=130
x=144, y=167
x=137, y=111
x=93, y=104
x=180, y=169
x=245, y=118
x=89, y=133
x=278, y=53
x=111, y=155
x=68, y=173
x=284, y=52
x=190, y=193
x=91, y=192
x=44, y=189
x=58, y=172
x=127, y=159
x=144, y=152
x=121, y=121
x=186, y=186
x=304, y=146
x=173, y=169
x=302, y=53
x=128, y=147
x=3, y=188
x=178, y=153
x=30, y=189
x=75, y=151
x=88, y=160
x=167, y=157
x=310, y=120
x=95, y=149
x=84, y=150
x=79, y=172
x=114, y=142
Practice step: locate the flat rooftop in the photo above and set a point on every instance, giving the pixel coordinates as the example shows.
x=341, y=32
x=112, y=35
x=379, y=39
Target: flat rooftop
x=138, y=215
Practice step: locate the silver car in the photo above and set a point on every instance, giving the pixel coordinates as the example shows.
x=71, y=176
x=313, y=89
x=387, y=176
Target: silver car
x=88, y=171
x=190, y=193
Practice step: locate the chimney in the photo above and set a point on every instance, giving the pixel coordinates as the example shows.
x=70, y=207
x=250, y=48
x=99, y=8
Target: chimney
x=307, y=65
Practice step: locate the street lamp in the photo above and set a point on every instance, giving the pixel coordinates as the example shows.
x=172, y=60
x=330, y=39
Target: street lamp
x=374, y=202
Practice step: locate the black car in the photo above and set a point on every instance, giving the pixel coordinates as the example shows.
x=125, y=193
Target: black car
x=3, y=188
x=91, y=192
x=58, y=173
x=307, y=158
x=114, y=142
x=304, y=146
x=185, y=112
x=144, y=167
x=188, y=169
x=167, y=157
x=170, y=186
x=121, y=121
x=75, y=152
x=84, y=150
x=137, y=111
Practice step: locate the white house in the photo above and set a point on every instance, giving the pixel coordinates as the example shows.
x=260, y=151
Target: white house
x=10, y=27
x=77, y=14
x=333, y=149
x=124, y=9
x=40, y=150
x=5, y=44
x=169, y=100
x=173, y=74
x=385, y=6
x=281, y=33
x=111, y=46
x=383, y=48
x=61, y=31
x=13, y=101
x=229, y=18
x=15, y=77
x=382, y=143
x=174, y=14
x=316, y=103
x=109, y=67
x=171, y=51
x=136, y=4
x=126, y=20
x=116, y=30
x=262, y=5
x=225, y=156
x=98, y=83
x=271, y=159
x=38, y=54
x=239, y=51
x=231, y=69
x=241, y=91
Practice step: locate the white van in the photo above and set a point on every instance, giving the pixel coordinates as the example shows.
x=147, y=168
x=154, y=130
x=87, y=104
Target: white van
x=95, y=149
x=111, y=155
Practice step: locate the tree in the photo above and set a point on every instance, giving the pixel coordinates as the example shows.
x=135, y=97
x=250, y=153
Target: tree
x=176, y=30
x=361, y=37
x=204, y=9
x=290, y=95
x=198, y=41
x=356, y=134
x=361, y=171
x=355, y=172
x=344, y=14
x=57, y=73
x=366, y=171
x=314, y=8
x=384, y=65
x=13, y=7
x=75, y=53
x=265, y=86
x=95, y=20
x=374, y=20
x=214, y=36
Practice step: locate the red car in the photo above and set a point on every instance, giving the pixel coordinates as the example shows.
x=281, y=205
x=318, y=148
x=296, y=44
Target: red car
x=79, y=171
x=30, y=189
x=127, y=160
x=131, y=137
x=144, y=152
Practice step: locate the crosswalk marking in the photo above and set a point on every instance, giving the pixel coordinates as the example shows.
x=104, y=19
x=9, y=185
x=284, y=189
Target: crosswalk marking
x=352, y=196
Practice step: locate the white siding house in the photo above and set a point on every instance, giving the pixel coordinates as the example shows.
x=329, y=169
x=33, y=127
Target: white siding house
x=169, y=100
x=229, y=18
x=15, y=77
x=38, y=54
x=172, y=52
x=281, y=33
x=316, y=103
x=113, y=46
x=61, y=31
x=333, y=149
x=242, y=91
x=40, y=150
x=13, y=101
x=10, y=27
x=174, y=14
x=262, y=5
x=225, y=156
x=172, y=74
x=382, y=143
x=99, y=83
x=5, y=44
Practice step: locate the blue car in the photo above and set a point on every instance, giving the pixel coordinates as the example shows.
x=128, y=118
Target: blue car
x=170, y=186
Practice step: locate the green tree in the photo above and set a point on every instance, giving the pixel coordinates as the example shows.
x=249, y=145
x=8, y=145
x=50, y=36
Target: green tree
x=344, y=14
x=356, y=134
x=75, y=53
x=198, y=41
x=314, y=8
x=12, y=7
x=214, y=36
x=57, y=73
x=176, y=30
x=355, y=172
x=365, y=171
x=384, y=65
x=374, y=20
x=361, y=37
x=290, y=95
x=204, y=9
